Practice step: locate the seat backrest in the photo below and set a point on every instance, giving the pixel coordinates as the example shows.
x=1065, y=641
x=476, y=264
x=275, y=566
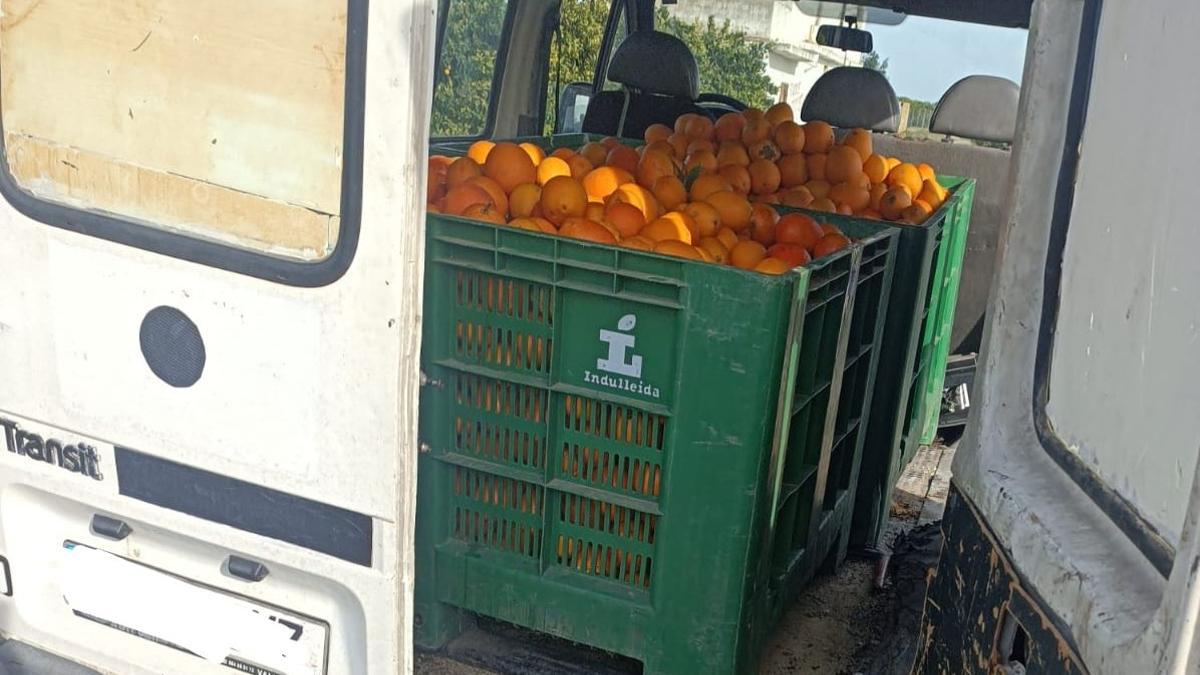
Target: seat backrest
x=850, y=97
x=660, y=81
x=979, y=107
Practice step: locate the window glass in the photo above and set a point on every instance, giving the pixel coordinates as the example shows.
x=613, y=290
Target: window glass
x=731, y=48
x=574, y=51
x=221, y=120
x=463, y=84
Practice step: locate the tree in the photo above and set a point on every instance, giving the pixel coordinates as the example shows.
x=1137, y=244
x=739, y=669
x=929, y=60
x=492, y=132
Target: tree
x=729, y=63
x=463, y=83
x=873, y=62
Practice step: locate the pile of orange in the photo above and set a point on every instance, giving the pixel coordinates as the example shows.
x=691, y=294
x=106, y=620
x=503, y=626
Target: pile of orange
x=699, y=190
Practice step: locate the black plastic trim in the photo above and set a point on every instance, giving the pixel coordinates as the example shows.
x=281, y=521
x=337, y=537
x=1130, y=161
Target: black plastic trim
x=246, y=569
x=110, y=528
x=261, y=510
x=222, y=256
x=8, y=585
x=1123, y=513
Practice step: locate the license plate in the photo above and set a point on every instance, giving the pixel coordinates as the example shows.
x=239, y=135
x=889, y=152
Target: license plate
x=241, y=634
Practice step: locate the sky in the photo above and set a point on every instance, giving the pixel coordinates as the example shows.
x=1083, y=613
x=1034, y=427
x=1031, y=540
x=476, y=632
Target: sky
x=926, y=56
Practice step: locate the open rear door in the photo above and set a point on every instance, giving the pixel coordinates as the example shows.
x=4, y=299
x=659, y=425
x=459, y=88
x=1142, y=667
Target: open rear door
x=210, y=265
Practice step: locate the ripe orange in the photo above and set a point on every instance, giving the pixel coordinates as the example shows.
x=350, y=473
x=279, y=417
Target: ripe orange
x=535, y=153
x=892, y=162
x=460, y=197
x=830, y=243
x=509, y=165
x=853, y=196
x=678, y=249
x=479, y=151
x=627, y=218
x=729, y=127
x=705, y=218
x=907, y=175
x=704, y=159
x=623, y=157
x=563, y=198
x=793, y=170
x=595, y=153
x=798, y=228
x=639, y=197
x=435, y=185
x=818, y=137
x=681, y=123
x=499, y=197
x=894, y=201
x=816, y=166
x=486, y=212
x=701, y=144
x=657, y=132
x=772, y=266
x=727, y=237
x=926, y=171
x=659, y=146
x=738, y=177
x=652, y=166
x=602, y=182
x=462, y=170
x=870, y=213
x=733, y=208
x=674, y=225
x=860, y=180
x=756, y=130
x=432, y=207
x=932, y=193
x=792, y=254
x=669, y=192
x=551, y=167
x=747, y=254
x=587, y=230
x=877, y=192
x=819, y=188
x=779, y=113
x=715, y=249
x=823, y=204
x=707, y=184
x=680, y=143
x=830, y=228
x=918, y=213
x=732, y=152
x=580, y=166
x=876, y=169
x=754, y=114
x=789, y=136
x=595, y=211
x=762, y=224
x=764, y=177
x=798, y=197
x=525, y=224
x=699, y=127
x=638, y=242
x=610, y=142
x=563, y=153
x=842, y=164
x=860, y=140
x=524, y=199
x=763, y=150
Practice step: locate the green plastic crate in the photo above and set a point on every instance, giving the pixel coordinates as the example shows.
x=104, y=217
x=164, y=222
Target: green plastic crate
x=603, y=443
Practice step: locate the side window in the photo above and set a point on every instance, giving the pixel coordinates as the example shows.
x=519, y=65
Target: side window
x=222, y=121
x=574, y=52
x=472, y=33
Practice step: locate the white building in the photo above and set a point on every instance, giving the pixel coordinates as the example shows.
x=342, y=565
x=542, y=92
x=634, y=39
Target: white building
x=795, y=60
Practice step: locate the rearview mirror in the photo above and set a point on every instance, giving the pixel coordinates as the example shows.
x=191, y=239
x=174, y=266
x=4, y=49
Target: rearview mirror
x=847, y=39
x=572, y=105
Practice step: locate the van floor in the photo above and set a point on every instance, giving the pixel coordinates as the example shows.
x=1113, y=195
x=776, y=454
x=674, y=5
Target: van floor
x=841, y=624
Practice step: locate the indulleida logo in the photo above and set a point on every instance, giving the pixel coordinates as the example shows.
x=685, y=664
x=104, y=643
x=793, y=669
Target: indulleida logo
x=621, y=368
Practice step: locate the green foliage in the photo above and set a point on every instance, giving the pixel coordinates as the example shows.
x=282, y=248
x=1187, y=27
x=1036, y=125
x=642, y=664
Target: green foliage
x=573, y=53
x=873, y=62
x=729, y=63
x=464, y=82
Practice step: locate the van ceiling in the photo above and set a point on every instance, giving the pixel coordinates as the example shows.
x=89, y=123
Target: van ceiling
x=1007, y=13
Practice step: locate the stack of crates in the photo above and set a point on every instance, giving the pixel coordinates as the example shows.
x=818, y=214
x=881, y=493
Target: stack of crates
x=637, y=453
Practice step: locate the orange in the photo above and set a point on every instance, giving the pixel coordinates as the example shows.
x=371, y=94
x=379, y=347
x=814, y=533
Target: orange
x=563, y=153
x=894, y=201
x=659, y=146
x=754, y=114
x=639, y=243
x=907, y=175
x=680, y=142
x=701, y=144
x=876, y=169
x=733, y=208
x=580, y=166
x=830, y=243
x=499, y=198
x=818, y=137
x=792, y=254
x=798, y=228
x=462, y=170
x=657, y=132
x=595, y=211
x=639, y=197
x=715, y=249
x=762, y=224
x=793, y=170
x=823, y=204
x=462, y=196
x=707, y=184
x=509, y=165
x=845, y=210
x=738, y=177
x=727, y=237
x=877, y=192
x=870, y=213
x=674, y=225
x=486, y=212
x=432, y=208
x=704, y=159
x=545, y=225
x=764, y=177
x=681, y=122
x=816, y=166
x=602, y=182
x=779, y=113
x=819, y=188
x=525, y=224
x=798, y=197
x=652, y=166
x=524, y=200
x=892, y=162
x=830, y=228
x=669, y=192
x=853, y=196
x=535, y=153
x=732, y=152
x=772, y=266
x=699, y=127
x=627, y=218
x=678, y=249
x=842, y=164
x=789, y=136
x=551, y=167
x=479, y=151
x=755, y=131
x=747, y=254
x=623, y=157
x=588, y=230
x=918, y=212
x=763, y=150
x=926, y=171
x=705, y=217
x=435, y=185
x=729, y=127
x=610, y=142
x=860, y=180
x=595, y=153
x=860, y=140
x=932, y=193
x=563, y=198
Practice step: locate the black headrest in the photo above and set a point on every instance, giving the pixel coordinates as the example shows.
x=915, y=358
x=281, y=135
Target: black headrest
x=982, y=107
x=851, y=98
x=656, y=63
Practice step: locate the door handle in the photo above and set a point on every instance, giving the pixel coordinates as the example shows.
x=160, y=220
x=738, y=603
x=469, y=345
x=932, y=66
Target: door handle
x=246, y=570
x=110, y=528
